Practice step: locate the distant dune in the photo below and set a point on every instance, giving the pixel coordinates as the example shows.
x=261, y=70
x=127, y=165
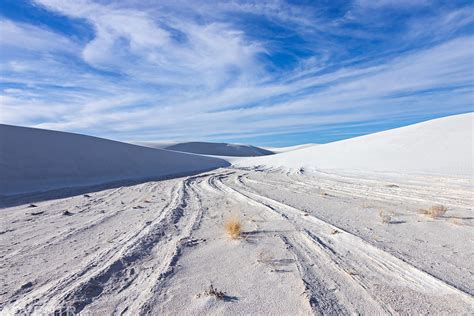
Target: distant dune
x=153, y=144
x=278, y=150
x=220, y=149
x=35, y=160
x=441, y=146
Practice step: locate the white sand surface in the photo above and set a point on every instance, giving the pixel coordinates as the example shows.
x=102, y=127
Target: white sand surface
x=37, y=160
x=154, y=144
x=288, y=148
x=220, y=149
x=440, y=146
x=313, y=243
x=335, y=241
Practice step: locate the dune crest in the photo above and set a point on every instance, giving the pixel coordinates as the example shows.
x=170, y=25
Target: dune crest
x=442, y=146
x=36, y=160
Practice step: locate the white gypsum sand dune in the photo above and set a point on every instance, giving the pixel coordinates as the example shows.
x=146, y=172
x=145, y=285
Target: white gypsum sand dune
x=37, y=160
x=220, y=149
x=312, y=242
x=288, y=148
x=441, y=146
x=153, y=144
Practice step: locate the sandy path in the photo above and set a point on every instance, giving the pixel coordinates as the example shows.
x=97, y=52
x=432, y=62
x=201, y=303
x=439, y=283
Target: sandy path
x=313, y=244
x=339, y=257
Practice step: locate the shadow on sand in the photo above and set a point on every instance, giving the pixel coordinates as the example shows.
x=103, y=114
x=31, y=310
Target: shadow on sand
x=25, y=198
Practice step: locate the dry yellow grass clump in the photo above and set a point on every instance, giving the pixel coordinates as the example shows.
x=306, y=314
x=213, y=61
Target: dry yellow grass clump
x=435, y=211
x=233, y=227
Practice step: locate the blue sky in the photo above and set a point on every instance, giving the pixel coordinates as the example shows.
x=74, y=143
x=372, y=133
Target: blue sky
x=269, y=73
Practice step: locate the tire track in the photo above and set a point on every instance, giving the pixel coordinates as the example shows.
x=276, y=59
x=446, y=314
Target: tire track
x=375, y=270
x=422, y=193
x=342, y=273
x=152, y=258
x=97, y=271
x=193, y=216
x=73, y=231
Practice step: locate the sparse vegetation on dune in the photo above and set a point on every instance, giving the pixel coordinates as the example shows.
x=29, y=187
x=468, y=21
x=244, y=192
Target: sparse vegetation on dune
x=435, y=211
x=386, y=219
x=213, y=292
x=233, y=227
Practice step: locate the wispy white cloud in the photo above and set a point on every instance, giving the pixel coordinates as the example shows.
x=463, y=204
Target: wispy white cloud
x=22, y=37
x=392, y=3
x=138, y=44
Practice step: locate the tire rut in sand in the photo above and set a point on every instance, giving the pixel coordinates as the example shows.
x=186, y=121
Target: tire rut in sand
x=80, y=288
x=152, y=258
x=387, y=279
x=193, y=216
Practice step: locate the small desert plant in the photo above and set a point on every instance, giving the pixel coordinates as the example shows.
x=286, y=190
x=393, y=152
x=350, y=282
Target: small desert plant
x=233, y=227
x=212, y=291
x=435, y=211
x=386, y=219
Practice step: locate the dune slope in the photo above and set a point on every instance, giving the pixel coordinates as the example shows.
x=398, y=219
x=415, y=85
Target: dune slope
x=278, y=150
x=220, y=149
x=36, y=160
x=442, y=146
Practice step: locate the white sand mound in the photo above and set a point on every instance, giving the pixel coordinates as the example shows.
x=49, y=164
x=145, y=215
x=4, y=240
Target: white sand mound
x=36, y=160
x=220, y=149
x=442, y=146
x=153, y=144
x=278, y=150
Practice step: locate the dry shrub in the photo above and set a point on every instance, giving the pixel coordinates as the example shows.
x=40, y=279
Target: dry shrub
x=212, y=291
x=233, y=227
x=435, y=211
x=386, y=219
